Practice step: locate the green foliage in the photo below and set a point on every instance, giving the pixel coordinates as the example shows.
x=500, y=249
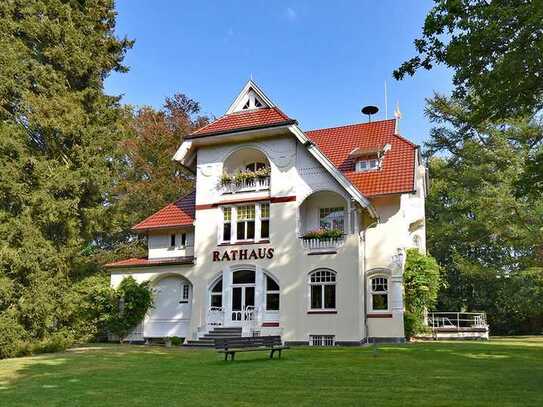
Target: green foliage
x=422, y=281
x=323, y=234
x=495, y=49
x=129, y=304
x=12, y=334
x=176, y=340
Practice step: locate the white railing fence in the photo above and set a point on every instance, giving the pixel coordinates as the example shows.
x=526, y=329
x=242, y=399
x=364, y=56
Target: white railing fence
x=322, y=244
x=457, y=320
x=215, y=316
x=255, y=184
x=248, y=314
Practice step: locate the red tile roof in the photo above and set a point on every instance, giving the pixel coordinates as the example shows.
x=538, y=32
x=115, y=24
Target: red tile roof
x=245, y=120
x=145, y=262
x=178, y=213
x=397, y=172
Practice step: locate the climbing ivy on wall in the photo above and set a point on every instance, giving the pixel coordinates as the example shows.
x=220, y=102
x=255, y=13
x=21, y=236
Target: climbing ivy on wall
x=422, y=281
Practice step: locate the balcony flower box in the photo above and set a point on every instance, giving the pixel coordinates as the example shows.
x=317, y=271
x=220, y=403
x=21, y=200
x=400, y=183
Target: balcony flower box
x=323, y=234
x=244, y=181
x=323, y=240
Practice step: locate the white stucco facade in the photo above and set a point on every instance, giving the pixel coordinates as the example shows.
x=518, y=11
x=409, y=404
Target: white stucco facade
x=325, y=287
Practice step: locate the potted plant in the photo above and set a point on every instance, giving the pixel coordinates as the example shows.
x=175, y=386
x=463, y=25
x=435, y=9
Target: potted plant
x=322, y=234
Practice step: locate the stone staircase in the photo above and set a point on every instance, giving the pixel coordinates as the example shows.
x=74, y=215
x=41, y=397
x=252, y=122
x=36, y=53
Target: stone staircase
x=208, y=340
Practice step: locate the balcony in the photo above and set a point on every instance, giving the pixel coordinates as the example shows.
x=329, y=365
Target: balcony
x=322, y=245
x=246, y=185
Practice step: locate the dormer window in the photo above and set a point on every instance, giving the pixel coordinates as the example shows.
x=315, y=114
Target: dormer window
x=367, y=164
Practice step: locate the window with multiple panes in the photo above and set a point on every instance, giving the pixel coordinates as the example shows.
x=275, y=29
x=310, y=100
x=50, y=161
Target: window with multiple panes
x=216, y=294
x=185, y=292
x=255, y=166
x=379, y=293
x=367, y=164
x=322, y=340
x=272, y=294
x=331, y=218
x=322, y=285
x=227, y=224
x=178, y=240
x=245, y=218
x=245, y=226
x=264, y=221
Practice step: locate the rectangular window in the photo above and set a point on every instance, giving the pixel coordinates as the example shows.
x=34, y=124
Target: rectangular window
x=329, y=296
x=367, y=165
x=265, y=221
x=322, y=340
x=227, y=224
x=316, y=297
x=245, y=222
x=272, y=295
x=185, y=289
x=172, y=240
x=379, y=293
x=183, y=239
x=331, y=218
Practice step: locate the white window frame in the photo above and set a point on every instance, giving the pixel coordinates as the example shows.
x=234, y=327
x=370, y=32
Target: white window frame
x=322, y=284
x=268, y=291
x=185, y=293
x=216, y=293
x=332, y=209
x=372, y=292
x=322, y=340
x=368, y=164
x=234, y=224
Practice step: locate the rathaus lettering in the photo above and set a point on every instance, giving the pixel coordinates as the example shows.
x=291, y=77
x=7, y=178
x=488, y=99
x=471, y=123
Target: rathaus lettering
x=243, y=254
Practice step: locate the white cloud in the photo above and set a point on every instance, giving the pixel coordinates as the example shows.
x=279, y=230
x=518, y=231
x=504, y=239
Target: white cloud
x=291, y=14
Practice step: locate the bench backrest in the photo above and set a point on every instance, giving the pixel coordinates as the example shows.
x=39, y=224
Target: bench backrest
x=247, y=342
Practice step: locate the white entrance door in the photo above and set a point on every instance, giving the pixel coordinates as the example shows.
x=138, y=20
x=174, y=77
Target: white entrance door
x=243, y=304
x=170, y=314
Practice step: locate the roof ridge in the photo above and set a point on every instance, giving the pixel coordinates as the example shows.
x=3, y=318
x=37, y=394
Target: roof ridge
x=163, y=209
x=348, y=125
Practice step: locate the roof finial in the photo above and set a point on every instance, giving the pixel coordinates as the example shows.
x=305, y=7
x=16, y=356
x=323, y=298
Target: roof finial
x=398, y=116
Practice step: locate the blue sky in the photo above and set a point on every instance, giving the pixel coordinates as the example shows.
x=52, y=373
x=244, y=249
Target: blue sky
x=320, y=61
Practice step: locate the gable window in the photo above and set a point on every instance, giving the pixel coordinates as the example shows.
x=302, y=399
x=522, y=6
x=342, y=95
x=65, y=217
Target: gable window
x=227, y=224
x=367, y=164
x=272, y=294
x=245, y=222
x=322, y=284
x=331, y=218
x=379, y=293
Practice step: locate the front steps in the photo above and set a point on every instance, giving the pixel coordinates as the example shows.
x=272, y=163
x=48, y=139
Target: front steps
x=208, y=340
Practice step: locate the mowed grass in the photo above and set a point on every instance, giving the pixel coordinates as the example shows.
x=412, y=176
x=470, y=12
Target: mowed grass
x=504, y=372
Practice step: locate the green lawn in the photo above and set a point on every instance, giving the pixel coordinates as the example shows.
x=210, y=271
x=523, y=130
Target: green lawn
x=504, y=372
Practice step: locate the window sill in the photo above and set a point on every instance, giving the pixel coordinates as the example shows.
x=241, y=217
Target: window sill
x=380, y=315
x=324, y=311
x=244, y=242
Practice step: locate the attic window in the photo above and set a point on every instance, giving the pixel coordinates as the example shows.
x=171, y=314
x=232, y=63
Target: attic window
x=367, y=164
x=257, y=103
x=246, y=105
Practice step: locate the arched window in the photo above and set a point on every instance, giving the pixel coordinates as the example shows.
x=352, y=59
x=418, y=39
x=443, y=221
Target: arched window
x=379, y=293
x=216, y=294
x=272, y=294
x=322, y=285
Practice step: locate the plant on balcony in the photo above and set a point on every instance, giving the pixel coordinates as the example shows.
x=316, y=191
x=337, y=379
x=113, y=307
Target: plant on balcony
x=323, y=234
x=244, y=176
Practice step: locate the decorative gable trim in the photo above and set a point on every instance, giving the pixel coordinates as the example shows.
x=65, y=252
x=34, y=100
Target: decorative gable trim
x=249, y=94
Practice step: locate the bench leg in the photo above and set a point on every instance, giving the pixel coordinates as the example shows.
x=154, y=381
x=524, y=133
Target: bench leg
x=225, y=356
x=271, y=353
x=279, y=354
x=232, y=355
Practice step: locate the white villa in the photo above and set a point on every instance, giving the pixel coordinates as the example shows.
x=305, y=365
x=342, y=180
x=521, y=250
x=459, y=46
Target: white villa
x=288, y=232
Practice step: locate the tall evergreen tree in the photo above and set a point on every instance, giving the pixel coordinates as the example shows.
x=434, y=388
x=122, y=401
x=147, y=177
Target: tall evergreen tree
x=59, y=133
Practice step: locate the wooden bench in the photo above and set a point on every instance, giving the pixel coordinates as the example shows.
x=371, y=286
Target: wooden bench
x=229, y=346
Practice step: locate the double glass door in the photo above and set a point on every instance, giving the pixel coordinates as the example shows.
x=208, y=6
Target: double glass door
x=243, y=303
